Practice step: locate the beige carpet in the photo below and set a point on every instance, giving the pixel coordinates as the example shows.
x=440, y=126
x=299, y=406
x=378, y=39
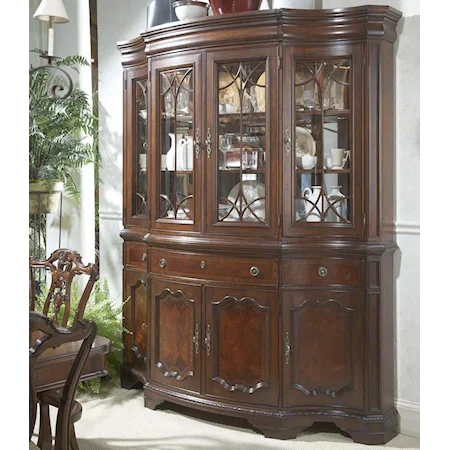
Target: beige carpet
x=120, y=421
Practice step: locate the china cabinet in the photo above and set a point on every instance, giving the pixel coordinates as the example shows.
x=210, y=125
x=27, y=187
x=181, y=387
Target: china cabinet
x=258, y=211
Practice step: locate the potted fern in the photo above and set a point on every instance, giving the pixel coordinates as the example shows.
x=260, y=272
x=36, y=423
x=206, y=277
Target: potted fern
x=59, y=131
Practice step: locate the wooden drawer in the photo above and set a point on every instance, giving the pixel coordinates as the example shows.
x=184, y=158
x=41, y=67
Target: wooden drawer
x=221, y=268
x=323, y=271
x=136, y=256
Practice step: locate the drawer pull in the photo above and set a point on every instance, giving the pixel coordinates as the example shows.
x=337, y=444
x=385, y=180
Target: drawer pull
x=144, y=326
x=203, y=264
x=287, y=348
x=254, y=271
x=162, y=263
x=196, y=338
x=322, y=271
x=208, y=340
x=144, y=257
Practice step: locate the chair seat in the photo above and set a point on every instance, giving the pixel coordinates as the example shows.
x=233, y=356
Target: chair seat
x=53, y=366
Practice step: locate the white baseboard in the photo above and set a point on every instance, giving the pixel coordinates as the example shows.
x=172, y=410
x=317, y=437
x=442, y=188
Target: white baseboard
x=409, y=417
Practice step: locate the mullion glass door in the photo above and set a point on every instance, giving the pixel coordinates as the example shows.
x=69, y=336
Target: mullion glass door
x=238, y=143
x=325, y=161
x=177, y=126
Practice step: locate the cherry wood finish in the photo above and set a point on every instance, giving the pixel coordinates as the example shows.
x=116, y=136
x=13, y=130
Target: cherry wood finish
x=53, y=336
x=285, y=322
x=53, y=366
x=176, y=321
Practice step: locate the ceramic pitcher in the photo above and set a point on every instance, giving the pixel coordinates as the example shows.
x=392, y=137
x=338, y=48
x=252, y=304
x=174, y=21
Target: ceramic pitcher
x=313, y=203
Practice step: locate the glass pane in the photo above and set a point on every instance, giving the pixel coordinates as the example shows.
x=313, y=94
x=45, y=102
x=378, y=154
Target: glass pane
x=140, y=198
x=322, y=141
x=177, y=144
x=241, y=142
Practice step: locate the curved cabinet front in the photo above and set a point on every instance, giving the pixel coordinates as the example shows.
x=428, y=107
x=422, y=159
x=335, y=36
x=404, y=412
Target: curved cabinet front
x=255, y=145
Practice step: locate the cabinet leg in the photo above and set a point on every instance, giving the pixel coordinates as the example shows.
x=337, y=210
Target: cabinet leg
x=152, y=401
x=128, y=380
x=372, y=434
x=279, y=428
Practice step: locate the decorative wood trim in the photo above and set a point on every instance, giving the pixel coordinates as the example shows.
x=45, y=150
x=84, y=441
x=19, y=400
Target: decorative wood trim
x=275, y=413
x=271, y=25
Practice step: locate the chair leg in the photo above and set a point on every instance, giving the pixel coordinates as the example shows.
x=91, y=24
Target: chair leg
x=73, y=438
x=45, y=431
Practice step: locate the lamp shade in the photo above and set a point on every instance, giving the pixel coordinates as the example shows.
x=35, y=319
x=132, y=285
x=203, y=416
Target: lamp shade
x=51, y=8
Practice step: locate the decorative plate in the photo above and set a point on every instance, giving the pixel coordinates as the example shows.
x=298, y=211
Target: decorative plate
x=228, y=91
x=304, y=142
x=252, y=190
x=261, y=93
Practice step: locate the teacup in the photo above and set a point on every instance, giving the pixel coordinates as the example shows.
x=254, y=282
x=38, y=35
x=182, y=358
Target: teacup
x=309, y=161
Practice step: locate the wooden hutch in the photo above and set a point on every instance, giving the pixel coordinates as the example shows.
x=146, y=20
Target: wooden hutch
x=258, y=212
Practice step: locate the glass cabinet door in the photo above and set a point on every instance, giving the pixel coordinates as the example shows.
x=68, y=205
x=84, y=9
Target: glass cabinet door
x=238, y=141
x=177, y=142
x=137, y=163
x=323, y=151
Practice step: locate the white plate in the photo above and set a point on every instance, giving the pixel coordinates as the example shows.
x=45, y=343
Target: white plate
x=229, y=95
x=252, y=190
x=261, y=93
x=304, y=142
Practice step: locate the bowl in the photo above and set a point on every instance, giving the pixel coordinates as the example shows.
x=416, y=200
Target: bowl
x=220, y=7
x=190, y=9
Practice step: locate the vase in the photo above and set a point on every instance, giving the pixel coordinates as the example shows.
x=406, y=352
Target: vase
x=233, y=6
x=338, y=205
x=159, y=12
x=181, y=154
x=313, y=203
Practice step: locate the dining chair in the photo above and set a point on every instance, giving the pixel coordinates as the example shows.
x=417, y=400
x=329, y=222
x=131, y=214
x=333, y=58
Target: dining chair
x=52, y=367
x=45, y=334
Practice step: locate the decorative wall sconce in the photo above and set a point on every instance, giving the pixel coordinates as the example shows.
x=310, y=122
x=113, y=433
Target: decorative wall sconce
x=53, y=11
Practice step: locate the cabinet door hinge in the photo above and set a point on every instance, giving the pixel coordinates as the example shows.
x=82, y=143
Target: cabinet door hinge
x=364, y=220
x=364, y=59
x=279, y=220
x=279, y=62
x=125, y=84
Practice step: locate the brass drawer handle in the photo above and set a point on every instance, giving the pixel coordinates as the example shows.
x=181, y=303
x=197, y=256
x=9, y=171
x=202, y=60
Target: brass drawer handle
x=208, y=340
x=322, y=271
x=196, y=338
x=144, y=257
x=162, y=263
x=254, y=271
x=287, y=348
x=203, y=264
x=144, y=326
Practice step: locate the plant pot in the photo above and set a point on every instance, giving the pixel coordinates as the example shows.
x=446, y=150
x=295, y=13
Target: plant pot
x=233, y=6
x=43, y=200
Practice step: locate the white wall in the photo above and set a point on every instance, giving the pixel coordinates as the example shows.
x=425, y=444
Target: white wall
x=407, y=221
x=119, y=20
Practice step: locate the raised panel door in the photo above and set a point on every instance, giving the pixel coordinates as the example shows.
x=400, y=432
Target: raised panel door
x=175, y=356
x=322, y=338
x=241, y=345
x=136, y=321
